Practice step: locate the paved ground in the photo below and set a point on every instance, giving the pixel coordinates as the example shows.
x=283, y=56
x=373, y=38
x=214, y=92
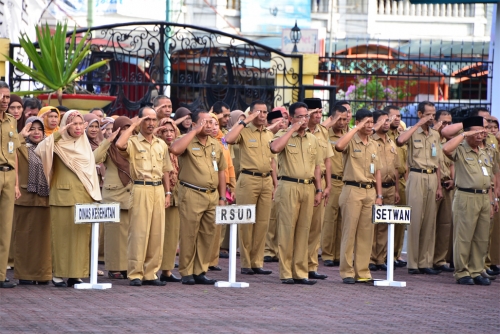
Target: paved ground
x=428, y=304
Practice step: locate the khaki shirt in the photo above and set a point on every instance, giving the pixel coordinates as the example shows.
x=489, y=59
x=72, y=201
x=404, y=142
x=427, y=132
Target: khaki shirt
x=388, y=156
x=300, y=156
x=254, y=152
x=336, y=159
x=420, y=148
x=8, y=133
x=445, y=164
x=469, y=167
x=148, y=161
x=321, y=133
x=358, y=157
x=196, y=164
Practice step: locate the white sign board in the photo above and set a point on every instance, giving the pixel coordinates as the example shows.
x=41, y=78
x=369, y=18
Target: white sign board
x=97, y=213
x=235, y=214
x=393, y=214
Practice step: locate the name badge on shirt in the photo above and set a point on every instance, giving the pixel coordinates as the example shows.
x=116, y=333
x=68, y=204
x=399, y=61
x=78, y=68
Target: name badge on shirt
x=216, y=168
x=372, y=168
x=11, y=147
x=485, y=171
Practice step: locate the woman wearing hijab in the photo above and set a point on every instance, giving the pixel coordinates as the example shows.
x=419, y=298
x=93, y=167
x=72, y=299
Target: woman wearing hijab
x=69, y=166
x=220, y=231
x=31, y=212
x=116, y=188
x=51, y=118
x=183, y=120
x=168, y=132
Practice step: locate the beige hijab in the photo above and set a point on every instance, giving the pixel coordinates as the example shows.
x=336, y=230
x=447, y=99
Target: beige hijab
x=76, y=155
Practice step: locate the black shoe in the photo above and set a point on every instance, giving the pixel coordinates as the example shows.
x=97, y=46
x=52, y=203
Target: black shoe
x=304, y=281
x=328, y=263
x=135, y=282
x=495, y=269
x=260, y=271
x=429, y=271
x=154, y=282
x=399, y=264
x=202, y=279
x=288, y=281
x=170, y=278
x=372, y=267
x=214, y=268
x=223, y=255
x=382, y=267
x=72, y=281
x=59, y=284
x=444, y=268
x=491, y=272
x=348, y=280
x=466, y=280
x=26, y=282
x=316, y=275
x=480, y=280
x=188, y=280
x=414, y=271
x=247, y=271
x=7, y=285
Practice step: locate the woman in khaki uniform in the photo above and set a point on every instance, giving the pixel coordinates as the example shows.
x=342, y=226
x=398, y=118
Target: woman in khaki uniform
x=31, y=212
x=69, y=166
x=116, y=188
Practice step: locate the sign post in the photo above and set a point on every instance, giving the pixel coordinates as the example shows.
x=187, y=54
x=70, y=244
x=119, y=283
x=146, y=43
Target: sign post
x=391, y=214
x=234, y=215
x=95, y=213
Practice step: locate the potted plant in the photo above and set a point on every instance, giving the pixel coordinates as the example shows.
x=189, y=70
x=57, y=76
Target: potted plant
x=56, y=65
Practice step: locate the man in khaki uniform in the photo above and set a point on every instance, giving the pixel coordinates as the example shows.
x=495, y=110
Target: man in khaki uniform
x=399, y=229
x=255, y=184
x=472, y=203
x=361, y=171
x=387, y=154
x=299, y=161
x=331, y=233
x=149, y=166
x=423, y=189
x=9, y=143
x=315, y=110
x=201, y=174
x=444, y=215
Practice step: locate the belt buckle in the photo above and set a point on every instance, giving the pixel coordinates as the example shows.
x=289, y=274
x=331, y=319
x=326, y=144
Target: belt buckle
x=429, y=171
x=484, y=191
x=307, y=181
x=368, y=186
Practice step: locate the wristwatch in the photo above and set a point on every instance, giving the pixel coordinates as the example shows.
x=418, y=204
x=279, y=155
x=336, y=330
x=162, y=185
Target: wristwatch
x=242, y=122
x=319, y=190
x=222, y=199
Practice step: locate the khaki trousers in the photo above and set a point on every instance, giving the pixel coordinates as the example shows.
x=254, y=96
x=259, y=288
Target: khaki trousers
x=252, y=237
x=146, y=231
x=444, y=227
x=115, y=243
x=294, y=212
x=197, y=231
x=399, y=229
x=271, y=247
x=315, y=232
x=421, y=196
x=7, y=199
x=70, y=243
x=331, y=234
x=357, y=231
x=380, y=231
x=171, y=237
x=471, y=225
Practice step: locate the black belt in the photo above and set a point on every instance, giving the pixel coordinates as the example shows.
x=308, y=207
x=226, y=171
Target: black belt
x=6, y=168
x=336, y=177
x=474, y=191
x=423, y=171
x=291, y=179
x=203, y=190
x=148, y=183
x=388, y=184
x=244, y=171
x=359, y=185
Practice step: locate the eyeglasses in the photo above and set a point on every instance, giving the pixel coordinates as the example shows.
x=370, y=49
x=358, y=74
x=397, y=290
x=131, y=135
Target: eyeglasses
x=301, y=116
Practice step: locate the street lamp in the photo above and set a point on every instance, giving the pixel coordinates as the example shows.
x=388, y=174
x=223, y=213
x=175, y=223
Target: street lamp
x=295, y=36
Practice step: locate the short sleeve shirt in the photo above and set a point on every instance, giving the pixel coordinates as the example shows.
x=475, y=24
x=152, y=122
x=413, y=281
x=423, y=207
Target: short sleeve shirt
x=321, y=133
x=388, y=156
x=336, y=159
x=148, y=161
x=424, y=151
x=200, y=163
x=358, y=158
x=9, y=140
x=300, y=156
x=255, y=154
x=469, y=172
